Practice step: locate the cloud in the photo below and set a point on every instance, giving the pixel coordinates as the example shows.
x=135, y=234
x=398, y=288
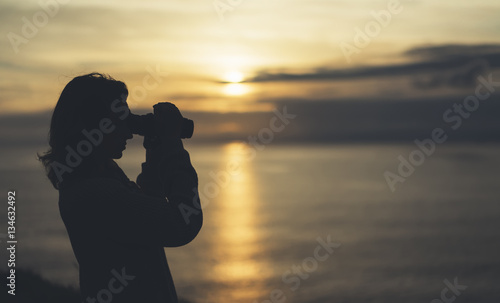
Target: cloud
x=449, y=51
x=429, y=67
x=381, y=120
x=363, y=120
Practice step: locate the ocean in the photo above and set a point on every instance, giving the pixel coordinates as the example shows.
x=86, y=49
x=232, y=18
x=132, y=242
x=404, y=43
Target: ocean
x=305, y=223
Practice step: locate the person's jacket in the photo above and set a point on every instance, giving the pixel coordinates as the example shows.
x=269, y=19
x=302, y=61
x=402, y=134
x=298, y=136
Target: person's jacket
x=118, y=229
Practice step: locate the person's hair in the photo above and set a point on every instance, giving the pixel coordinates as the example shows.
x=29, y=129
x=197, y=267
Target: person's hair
x=83, y=103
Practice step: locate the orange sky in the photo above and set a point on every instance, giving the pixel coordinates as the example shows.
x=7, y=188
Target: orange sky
x=192, y=47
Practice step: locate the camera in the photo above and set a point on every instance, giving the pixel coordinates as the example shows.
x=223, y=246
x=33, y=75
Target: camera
x=144, y=125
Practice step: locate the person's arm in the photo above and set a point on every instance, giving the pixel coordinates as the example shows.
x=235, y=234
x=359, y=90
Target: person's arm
x=127, y=216
x=168, y=173
x=168, y=211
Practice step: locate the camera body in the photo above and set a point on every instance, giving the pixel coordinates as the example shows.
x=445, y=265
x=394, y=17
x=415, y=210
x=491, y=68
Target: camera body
x=144, y=125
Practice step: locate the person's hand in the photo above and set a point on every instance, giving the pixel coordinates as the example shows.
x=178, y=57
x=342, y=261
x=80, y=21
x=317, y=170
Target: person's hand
x=168, y=120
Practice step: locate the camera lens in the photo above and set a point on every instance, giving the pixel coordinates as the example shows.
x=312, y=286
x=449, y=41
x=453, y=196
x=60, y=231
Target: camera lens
x=187, y=128
x=144, y=125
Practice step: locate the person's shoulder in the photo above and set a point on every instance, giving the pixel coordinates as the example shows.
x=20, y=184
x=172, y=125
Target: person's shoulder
x=92, y=184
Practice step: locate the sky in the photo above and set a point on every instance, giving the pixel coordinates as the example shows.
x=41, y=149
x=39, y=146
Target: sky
x=241, y=56
x=346, y=70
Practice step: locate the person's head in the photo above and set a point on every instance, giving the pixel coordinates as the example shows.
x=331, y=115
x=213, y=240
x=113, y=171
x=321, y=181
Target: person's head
x=88, y=126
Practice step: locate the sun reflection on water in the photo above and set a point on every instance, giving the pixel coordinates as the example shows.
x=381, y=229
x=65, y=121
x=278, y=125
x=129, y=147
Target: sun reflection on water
x=238, y=237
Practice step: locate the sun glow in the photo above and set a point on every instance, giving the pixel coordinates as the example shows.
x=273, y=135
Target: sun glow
x=235, y=89
x=233, y=77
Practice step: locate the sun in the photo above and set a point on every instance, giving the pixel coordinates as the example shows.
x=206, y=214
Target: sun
x=235, y=89
x=233, y=77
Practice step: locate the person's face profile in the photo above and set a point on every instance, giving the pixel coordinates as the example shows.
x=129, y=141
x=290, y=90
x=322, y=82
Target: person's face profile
x=114, y=142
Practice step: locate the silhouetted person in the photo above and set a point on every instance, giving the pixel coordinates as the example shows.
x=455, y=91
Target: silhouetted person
x=118, y=229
